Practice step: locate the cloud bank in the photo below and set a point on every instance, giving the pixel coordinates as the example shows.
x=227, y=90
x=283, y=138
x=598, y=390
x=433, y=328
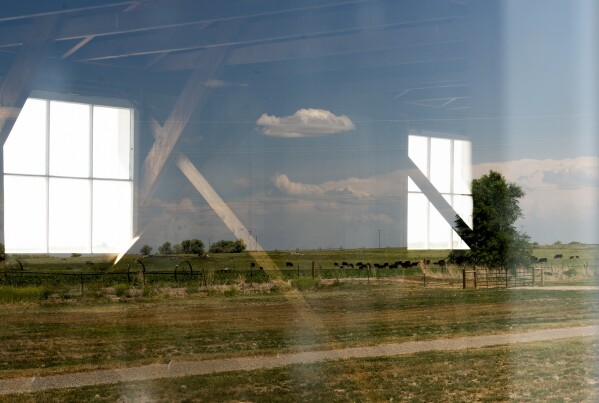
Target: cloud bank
x=304, y=123
x=561, y=196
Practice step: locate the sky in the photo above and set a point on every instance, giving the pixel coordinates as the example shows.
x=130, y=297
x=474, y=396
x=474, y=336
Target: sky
x=305, y=166
x=307, y=156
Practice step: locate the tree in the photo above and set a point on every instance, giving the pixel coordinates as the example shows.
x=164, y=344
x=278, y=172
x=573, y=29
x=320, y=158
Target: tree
x=2, y=252
x=192, y=246
x=494, y=240
x=145, y=250
x=176, y=249
x=165, y=248
x=224, y=246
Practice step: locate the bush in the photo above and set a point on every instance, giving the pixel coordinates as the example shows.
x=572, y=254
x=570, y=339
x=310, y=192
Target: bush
x=305, y=283
x=224, y=246
x=121, y=289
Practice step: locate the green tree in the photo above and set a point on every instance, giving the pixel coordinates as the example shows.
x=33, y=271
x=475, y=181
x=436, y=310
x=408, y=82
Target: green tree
x=165, y=249
x=192, y=246
x=494, y=240
x=224, y=246
x=176, y=249
x=145, y=250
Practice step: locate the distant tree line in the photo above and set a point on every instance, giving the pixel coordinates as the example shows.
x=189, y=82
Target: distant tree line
x=195, y=247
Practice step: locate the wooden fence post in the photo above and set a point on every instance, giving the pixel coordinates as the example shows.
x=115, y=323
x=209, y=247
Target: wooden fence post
x=475, y=285
x=464, y=279
x=313, y=273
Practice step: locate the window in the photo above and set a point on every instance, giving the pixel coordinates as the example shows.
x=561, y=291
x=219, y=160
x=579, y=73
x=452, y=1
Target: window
x=446, y=163
x=68, y=178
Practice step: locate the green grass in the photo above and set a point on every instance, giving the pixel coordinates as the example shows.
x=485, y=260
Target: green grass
x=22, y=294
x=564, y=370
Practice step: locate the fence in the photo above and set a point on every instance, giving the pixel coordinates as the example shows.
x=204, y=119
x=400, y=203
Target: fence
x=502, y=278
x=185, y=272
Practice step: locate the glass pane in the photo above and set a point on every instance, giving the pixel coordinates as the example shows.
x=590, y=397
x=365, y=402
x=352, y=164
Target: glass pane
x=112, y=142
x=439, y=230
x=418, y=152
x=440, y=164
x=462, y=176
x=25, y=214
x=417, y=221
x=112, y=216
x=69, y=221
x=25, y=148
x=69, y=139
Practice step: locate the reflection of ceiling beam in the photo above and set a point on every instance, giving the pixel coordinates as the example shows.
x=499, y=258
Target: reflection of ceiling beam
x=299, y=40
x=21, y=9
x=186, y=13
x=194, y=94
x=17, y=84
x=78, y=46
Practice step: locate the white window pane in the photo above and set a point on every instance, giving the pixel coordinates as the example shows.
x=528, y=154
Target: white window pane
x=439, y=230
x=69, y=221
x=25, y=214
x=69, y=139
x=417, y=221
x=412, y=186
x=25, y=148
x=440, y=164
x=463, y=206
x=112, y=142
x=418, y=152
x=462, y=171
x=112, y=216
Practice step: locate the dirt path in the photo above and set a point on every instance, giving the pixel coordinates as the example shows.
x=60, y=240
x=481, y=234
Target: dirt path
x=186, y=368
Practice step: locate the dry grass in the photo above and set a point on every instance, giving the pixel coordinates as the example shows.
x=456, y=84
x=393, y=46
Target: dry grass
x=40, y=339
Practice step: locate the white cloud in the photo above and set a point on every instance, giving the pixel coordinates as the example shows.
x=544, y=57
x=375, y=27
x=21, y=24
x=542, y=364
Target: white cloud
x=304, y=123
x=349, y=188
x=561, y=195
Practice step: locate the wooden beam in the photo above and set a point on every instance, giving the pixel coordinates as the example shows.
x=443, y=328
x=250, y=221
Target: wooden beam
x=16, y=85
x=193, y=95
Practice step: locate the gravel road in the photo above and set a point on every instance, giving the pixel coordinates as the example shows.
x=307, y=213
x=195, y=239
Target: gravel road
x=186, y=368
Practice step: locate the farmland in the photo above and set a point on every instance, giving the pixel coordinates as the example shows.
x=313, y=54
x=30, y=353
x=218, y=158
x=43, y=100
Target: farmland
x=55, y=327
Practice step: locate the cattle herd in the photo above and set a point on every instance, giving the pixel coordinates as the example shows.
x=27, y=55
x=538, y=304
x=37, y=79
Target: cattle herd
x=395, y=265
x=535, y=259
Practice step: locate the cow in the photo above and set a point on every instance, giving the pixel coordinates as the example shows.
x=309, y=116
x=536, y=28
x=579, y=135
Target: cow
x=336, y=264
x=558, y=256
x=253, y=264
x=571, y=257
x=288, y=264
x=542, y=260
x=344, y=264
x=441, y=262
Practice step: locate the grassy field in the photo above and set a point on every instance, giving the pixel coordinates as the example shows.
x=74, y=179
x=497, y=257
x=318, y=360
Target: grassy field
x=52, y=326
x=565, y=370
x=57, y=337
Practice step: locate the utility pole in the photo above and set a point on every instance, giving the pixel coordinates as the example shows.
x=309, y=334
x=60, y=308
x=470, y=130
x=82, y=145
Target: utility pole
x=379, y=238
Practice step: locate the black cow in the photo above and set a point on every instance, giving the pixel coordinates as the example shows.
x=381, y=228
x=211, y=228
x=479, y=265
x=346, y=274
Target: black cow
x=542, y=260
x=253, y=264
x=558, y=256
x=335, y=264
x=289, y=264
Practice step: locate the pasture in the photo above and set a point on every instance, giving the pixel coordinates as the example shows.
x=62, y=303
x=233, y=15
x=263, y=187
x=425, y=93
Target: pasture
x=51, y=326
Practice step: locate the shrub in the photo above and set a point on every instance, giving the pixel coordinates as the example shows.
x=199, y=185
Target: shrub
x=305, y=283
x=121, y=289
